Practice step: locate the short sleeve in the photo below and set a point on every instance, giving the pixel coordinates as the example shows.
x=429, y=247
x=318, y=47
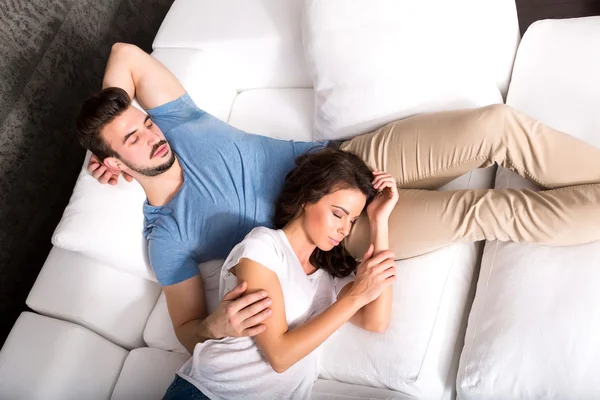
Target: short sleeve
x=258, y=249
x=172, y=261
x=174, y=113
x=340, y=283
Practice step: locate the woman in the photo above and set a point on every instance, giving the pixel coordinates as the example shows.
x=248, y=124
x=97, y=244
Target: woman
x=308, y=274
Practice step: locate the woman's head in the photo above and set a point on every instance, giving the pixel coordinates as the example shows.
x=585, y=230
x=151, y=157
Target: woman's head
x=327, y=190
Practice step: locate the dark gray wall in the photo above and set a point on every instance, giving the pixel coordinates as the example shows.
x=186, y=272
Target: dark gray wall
x=52, y=56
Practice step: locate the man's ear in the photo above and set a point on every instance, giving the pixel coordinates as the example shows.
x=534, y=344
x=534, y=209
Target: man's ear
x=113, y=163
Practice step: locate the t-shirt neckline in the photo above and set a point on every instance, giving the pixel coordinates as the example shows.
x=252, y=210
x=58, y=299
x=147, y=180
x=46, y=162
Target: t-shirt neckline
x=289, y=246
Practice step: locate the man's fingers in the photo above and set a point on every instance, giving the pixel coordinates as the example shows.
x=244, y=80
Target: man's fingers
x=92, y=166
x=235, y=292
x=105, y=177
x=98, y=171
x=256, y=319
x=255, y=307
x=255, y=330
x=127, y=177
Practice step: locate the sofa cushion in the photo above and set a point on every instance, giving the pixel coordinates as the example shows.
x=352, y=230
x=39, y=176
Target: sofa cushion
x=147, y=374
x=109, y=302
x=257, y=42
x=416, y=354
x=279, y=113
x=533, y=327
x=373, y=62
x=159, y=331
x=47, y=359
x=332, y=390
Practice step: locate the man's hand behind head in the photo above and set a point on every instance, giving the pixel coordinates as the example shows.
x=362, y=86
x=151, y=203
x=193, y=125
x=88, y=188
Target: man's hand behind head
x=103, y=174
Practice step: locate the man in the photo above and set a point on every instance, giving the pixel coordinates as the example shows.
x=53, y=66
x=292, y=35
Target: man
x=208, y=184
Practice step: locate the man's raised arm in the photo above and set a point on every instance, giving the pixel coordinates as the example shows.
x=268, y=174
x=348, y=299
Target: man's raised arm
x=141, y=76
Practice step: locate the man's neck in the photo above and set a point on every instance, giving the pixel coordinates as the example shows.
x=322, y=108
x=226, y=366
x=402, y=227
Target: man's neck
x=160, y=189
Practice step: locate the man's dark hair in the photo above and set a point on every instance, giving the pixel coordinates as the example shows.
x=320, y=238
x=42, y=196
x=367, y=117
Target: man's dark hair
x=98, y=111
x=317, y=174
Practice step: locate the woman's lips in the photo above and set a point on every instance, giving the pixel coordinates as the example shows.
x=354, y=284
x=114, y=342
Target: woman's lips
x=333, y=241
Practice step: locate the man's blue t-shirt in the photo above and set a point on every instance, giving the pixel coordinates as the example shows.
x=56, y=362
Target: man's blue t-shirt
x=231, y=182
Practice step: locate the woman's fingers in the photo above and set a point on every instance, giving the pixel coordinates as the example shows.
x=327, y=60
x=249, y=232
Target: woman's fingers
x=381, y=178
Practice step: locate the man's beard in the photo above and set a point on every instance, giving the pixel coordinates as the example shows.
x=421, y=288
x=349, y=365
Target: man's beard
x=154, y=170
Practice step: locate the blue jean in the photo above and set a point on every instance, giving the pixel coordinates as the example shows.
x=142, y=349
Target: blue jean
x=181, y=389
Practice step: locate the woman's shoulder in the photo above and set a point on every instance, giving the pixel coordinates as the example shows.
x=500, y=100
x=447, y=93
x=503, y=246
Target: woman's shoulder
x=264, y=233
x=263, y=245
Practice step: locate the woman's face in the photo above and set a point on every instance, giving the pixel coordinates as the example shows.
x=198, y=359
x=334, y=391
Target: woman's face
x=329, y=221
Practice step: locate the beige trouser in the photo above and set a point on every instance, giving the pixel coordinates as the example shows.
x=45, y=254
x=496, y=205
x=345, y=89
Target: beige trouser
x=426, y=151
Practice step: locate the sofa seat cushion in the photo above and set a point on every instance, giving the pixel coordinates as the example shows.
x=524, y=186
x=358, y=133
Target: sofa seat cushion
x=533, y=327
x=48, y=359
x=147, y=374
x=416, y=355
x=333, y=390
x=112, y=303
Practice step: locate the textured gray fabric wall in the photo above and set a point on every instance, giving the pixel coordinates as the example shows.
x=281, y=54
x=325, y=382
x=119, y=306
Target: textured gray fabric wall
x=52, y=56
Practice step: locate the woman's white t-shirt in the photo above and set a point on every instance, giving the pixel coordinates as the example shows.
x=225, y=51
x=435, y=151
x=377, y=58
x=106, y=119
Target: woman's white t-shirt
x=234, y=368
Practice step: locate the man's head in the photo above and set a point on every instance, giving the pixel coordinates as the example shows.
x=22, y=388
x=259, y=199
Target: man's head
x=123, y=137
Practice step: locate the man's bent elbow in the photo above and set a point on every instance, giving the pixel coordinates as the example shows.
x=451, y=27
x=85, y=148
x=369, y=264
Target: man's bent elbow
x=120, y=47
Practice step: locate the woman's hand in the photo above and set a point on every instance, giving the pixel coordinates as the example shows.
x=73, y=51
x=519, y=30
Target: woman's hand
x=386, y=198
x=373, y=275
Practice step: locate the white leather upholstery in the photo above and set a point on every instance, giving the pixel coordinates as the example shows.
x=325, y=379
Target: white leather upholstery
x=49, y=359
x=112, y=303
x=202, y=77
x=373, y=62
x=279, y=113
x=332, y=390
x=147, y=374
x=533, y=325
x=257, y=42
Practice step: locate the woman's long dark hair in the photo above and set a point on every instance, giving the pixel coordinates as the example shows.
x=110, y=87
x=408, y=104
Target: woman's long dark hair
x=318, y=173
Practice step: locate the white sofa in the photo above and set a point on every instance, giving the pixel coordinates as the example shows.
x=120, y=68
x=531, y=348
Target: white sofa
x=100, y=327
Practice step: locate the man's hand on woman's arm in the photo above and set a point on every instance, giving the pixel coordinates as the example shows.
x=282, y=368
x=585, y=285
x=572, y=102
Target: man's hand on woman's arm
x=238, y=314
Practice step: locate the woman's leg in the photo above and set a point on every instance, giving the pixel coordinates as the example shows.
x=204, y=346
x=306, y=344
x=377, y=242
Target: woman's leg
x=429, y=150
